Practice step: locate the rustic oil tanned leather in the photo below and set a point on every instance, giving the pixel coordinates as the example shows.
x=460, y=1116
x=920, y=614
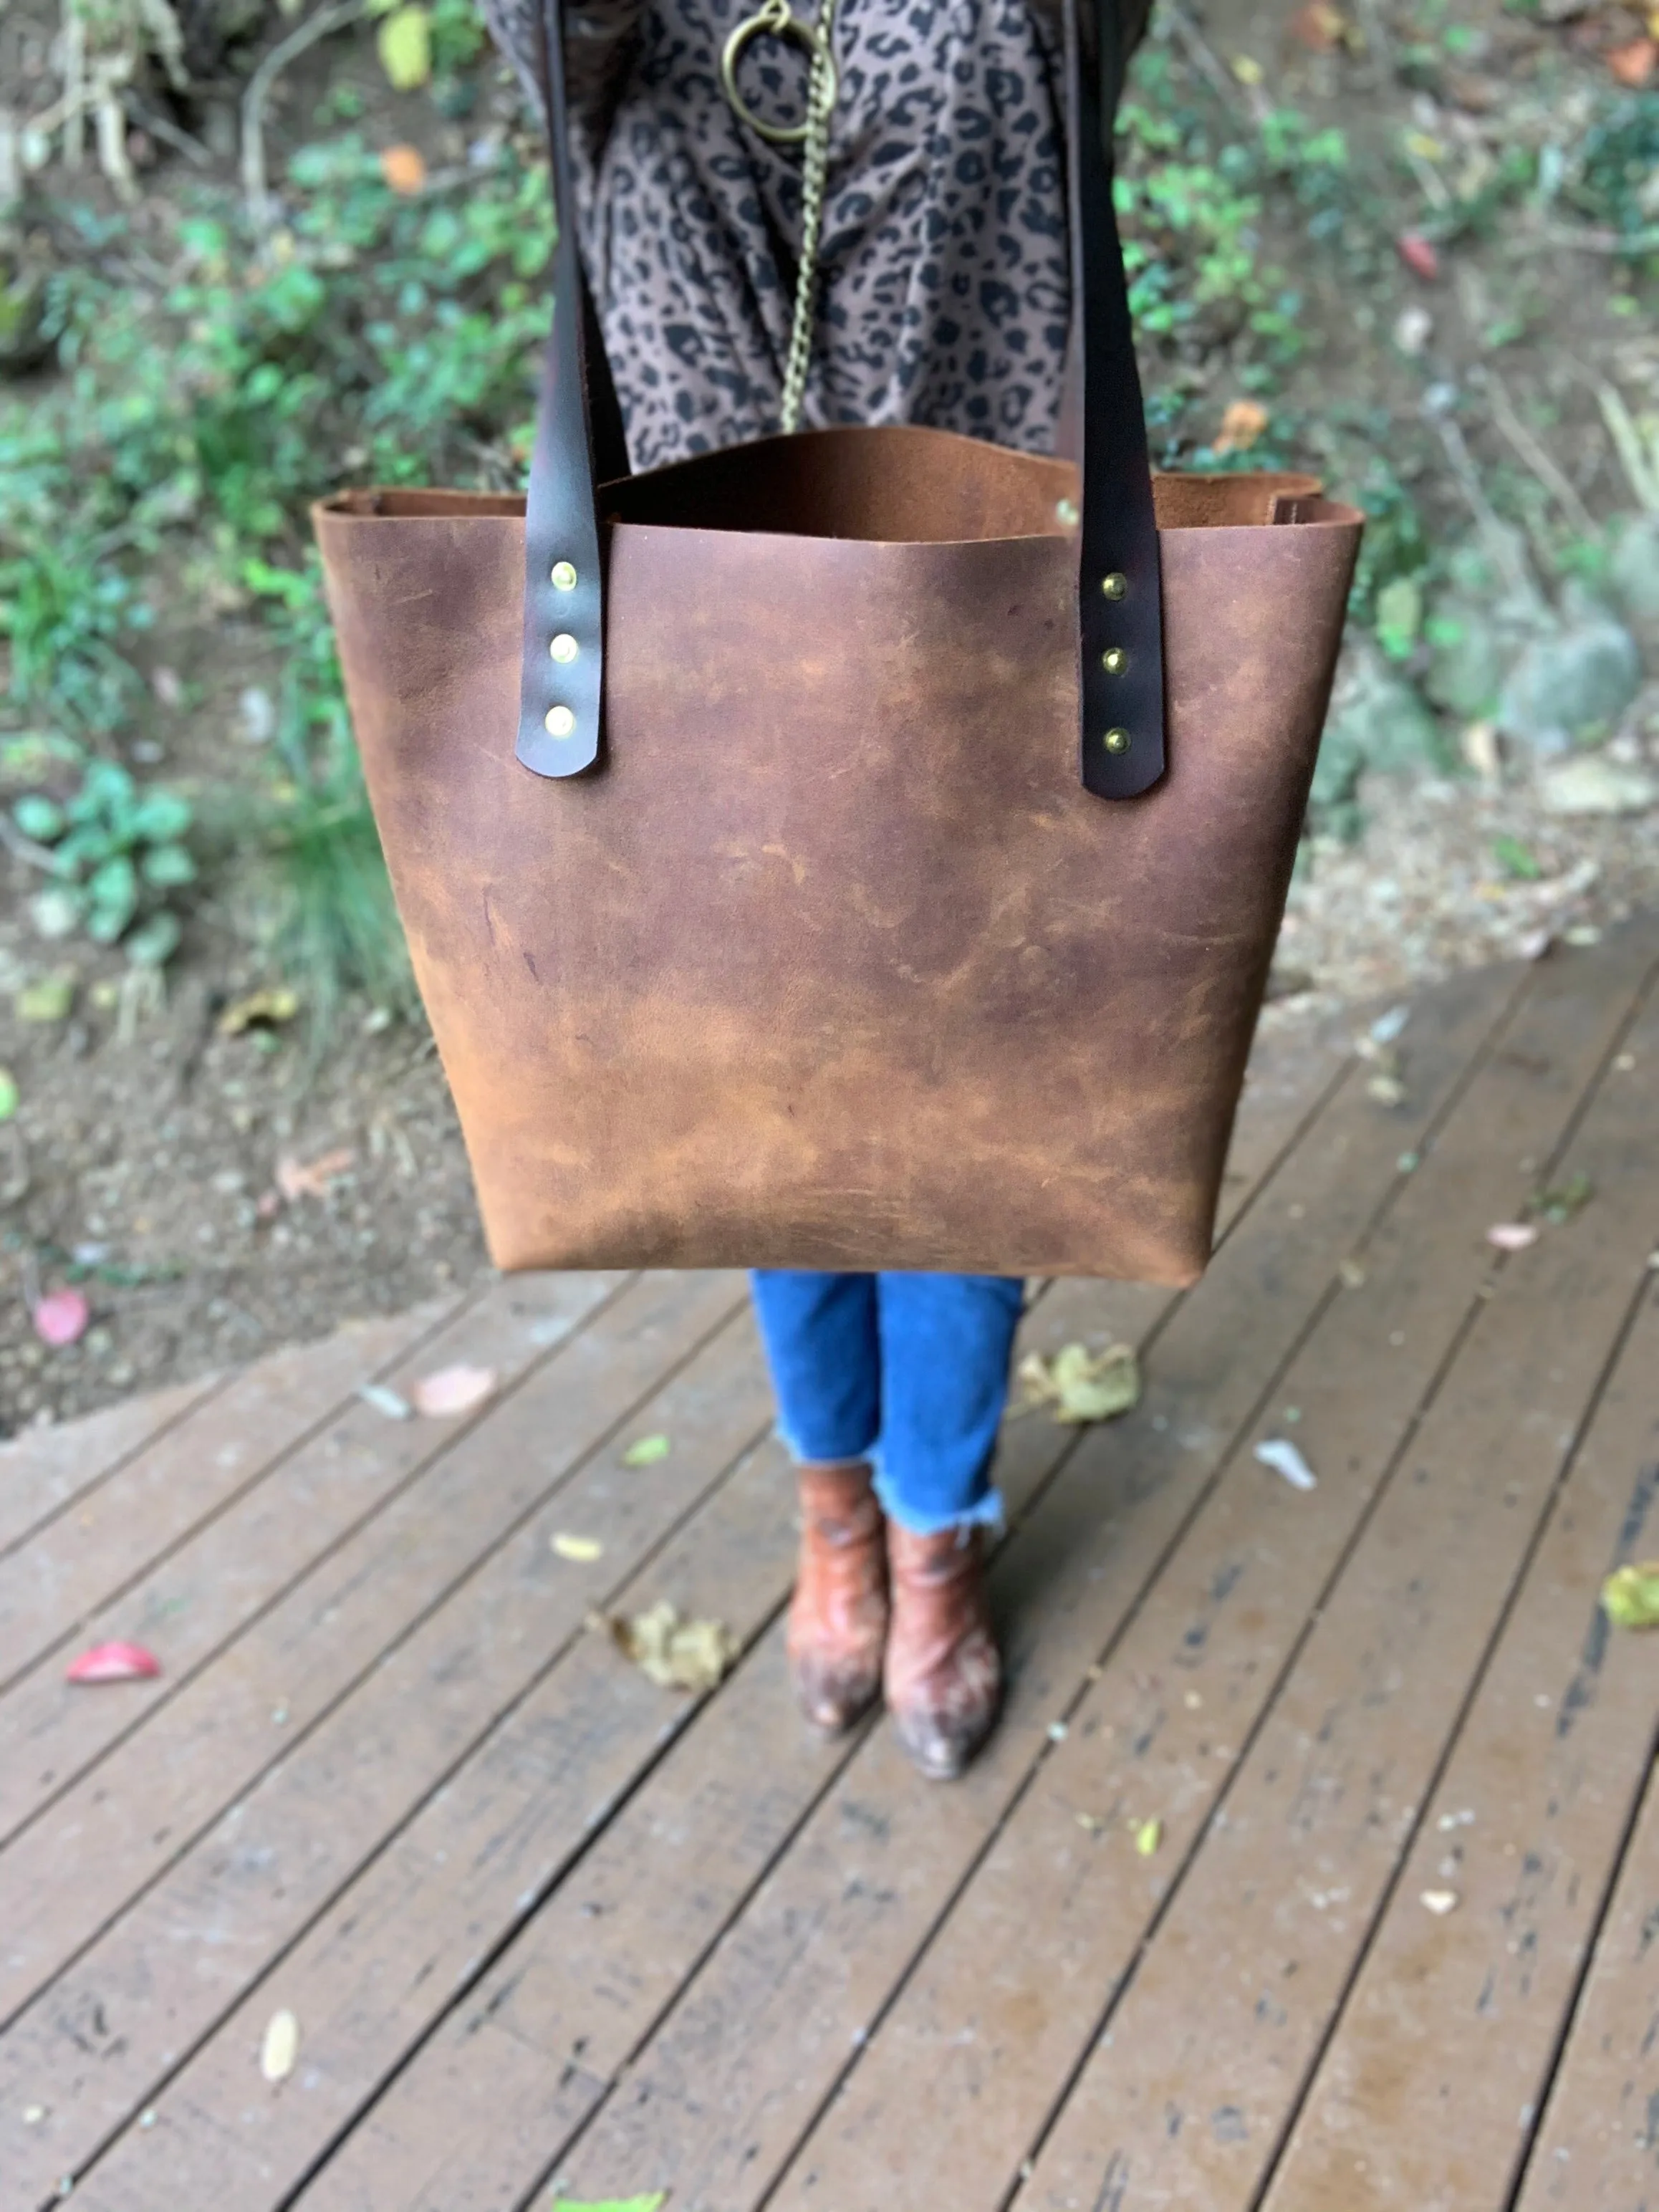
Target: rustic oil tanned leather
x=834, y=958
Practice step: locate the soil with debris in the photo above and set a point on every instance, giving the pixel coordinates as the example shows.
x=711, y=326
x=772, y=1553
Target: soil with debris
x=1453, y=874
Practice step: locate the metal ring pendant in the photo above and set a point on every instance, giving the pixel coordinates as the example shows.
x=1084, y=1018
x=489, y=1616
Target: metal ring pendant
x=774, y=18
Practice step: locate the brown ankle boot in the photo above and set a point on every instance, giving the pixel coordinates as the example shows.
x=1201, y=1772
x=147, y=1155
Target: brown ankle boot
x=838, y=1616
x=943, y=1673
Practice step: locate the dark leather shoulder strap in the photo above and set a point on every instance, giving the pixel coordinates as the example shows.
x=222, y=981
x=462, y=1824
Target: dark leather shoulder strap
x=579, y=445
x=1120, y=591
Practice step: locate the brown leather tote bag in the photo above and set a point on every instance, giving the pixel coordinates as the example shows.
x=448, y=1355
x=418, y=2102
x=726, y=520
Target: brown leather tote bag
x=856, y=849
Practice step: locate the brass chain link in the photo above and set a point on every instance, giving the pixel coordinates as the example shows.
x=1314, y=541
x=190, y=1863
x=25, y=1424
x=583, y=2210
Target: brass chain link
x=775, y=16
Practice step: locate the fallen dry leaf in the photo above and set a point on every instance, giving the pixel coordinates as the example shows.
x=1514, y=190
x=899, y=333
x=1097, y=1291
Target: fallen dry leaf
x=1418, y=255
x=61, y=1318
x=654, y=2202
x=1285, y=1459
x=1630, y=1596
x=1242, y=424
x=1559, y=1204
x=1352, y=1274
x=298, y=1179
x=385, y=1401
x=280, y=2046
x=1634, y=63
x=114, y=1662
x=452, y=1390
x=1440, y=1901
x=647, y=1451
x=259, y=1010
x=1320, y=28
x=675, y=1653
x=1081, y=1385
x=403, y=169
x=584, y=1550
x=1148, y=1836
x=1513, y=1235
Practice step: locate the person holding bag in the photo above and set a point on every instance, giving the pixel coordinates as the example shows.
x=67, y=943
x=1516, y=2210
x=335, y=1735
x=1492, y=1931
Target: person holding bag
x=942, y=296
x=911, y=783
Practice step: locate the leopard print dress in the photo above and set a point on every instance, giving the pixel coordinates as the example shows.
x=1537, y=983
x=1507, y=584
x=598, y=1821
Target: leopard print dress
x=945, y=296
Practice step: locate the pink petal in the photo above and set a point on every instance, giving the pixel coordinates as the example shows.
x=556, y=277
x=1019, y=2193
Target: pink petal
x=1418, y=255
x=452, y=1390
x=1513, y=1235
x=114, y=1662
x=61, y=1318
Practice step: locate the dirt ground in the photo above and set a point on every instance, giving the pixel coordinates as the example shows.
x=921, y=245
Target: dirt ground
x=216, y=1195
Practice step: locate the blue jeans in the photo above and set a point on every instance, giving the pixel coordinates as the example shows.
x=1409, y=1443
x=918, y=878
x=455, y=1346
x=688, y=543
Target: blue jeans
x=908, y=1371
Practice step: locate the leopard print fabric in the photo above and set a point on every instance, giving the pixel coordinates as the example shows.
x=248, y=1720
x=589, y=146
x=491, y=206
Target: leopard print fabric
x=945, y=296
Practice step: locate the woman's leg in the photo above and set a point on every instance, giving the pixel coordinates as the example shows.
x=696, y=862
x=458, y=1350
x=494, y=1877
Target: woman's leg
x=945, y=1345
x=823, y=1346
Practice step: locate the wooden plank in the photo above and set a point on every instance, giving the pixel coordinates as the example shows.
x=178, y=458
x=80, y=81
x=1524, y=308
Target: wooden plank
x=1599, y=2144
x=115, y=1832
x=450, y=1609
x=1430, y=2091
x=219, y=1580
x=719, y=2095
x=83, y=1560
x=45, y=1470
x=338, y=1975
x=1185, y=2104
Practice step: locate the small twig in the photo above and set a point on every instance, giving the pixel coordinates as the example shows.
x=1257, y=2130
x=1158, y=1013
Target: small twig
x=25, y=848
x=75, y=76
x=255, y=188
x=1633, y=242
x=1434, y=186
x=1641, y=467
x=168, y=133
x=1201, y=53
x=1534, y=456
x=1499, y=539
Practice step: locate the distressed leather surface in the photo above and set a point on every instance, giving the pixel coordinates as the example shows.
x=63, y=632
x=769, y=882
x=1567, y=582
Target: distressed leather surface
x=832, y=962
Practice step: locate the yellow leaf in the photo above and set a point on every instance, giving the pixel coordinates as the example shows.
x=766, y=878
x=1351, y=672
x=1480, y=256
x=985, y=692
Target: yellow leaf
x=645, y=1451
x=405, y=41
x=582, y=1549
x=1148, y=1836
x=263, y=1009
x=1248, y=70
x=280, y=2047
x=1630, y=1596
x=675, y=1653
x=1083, y=1385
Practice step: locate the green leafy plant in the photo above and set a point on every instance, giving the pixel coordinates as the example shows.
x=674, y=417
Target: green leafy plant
x=117, y=853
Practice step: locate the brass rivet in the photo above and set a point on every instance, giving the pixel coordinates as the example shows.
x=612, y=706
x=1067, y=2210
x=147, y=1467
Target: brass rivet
x=1066, y=509
x=561, y=722
x=1114, y=660
x=564, y=576
x=564, y=647
x=1115, y=585
x=1116, y=741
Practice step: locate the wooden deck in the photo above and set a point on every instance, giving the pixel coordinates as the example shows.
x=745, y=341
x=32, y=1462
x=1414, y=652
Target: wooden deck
x=545, y=1927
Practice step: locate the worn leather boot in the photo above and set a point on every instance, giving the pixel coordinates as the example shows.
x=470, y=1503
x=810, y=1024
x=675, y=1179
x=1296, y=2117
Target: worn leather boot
x=838, y=1616
x=944, y=1672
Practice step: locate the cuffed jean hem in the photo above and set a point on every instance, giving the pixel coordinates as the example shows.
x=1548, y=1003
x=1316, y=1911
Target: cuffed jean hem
x=986, y=1512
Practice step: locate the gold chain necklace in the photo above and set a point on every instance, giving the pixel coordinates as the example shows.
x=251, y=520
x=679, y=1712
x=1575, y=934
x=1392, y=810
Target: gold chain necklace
x=775, y=18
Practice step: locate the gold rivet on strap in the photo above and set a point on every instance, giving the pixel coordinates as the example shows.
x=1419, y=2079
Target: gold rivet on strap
x=1115, y=585
x=1114, y=660
x=1116, y=741
x=563, y=576
x=561, y=722
x=564, y=647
